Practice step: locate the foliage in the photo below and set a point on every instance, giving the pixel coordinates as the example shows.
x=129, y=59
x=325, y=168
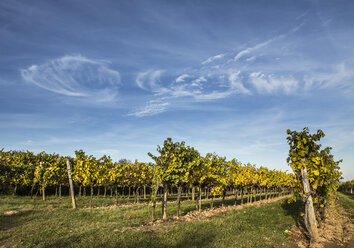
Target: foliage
x=323, y=171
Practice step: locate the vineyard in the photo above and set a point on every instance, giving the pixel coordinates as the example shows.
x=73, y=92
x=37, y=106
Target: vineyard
x=179, y=168
x=179, y=180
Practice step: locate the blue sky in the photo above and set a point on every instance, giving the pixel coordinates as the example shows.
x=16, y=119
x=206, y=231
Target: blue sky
x=118, y=77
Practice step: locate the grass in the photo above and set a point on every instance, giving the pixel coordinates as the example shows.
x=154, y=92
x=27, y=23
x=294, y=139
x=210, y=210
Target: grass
x=54, y=224
x=347, y=202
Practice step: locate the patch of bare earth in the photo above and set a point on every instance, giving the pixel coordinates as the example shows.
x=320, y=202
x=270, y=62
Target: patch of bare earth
x=336, y=231
x=11, y=212
x=161, y=225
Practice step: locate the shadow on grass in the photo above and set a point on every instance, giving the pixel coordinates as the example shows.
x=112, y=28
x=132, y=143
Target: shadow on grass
x=13, y=220
x=192, y=237
x=351, y=196
x=295, y=210
x=217, y=203
x=178, y=239
x=65, y=242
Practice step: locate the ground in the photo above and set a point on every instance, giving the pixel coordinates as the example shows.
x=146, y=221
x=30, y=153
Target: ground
x=26, y=222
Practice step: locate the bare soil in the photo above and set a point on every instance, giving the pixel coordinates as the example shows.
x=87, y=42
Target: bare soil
x=336, y=231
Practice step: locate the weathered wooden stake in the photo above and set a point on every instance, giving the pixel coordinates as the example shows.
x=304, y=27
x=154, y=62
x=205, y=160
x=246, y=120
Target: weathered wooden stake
x=144, y=191
x=310, y=218
x=200, y=199
x=193, y=192
x=164, y=202
x=71, y=184
x=59, y=191
x=43, y=185
x=154, y=199
x=32, y=188
x=179, y=200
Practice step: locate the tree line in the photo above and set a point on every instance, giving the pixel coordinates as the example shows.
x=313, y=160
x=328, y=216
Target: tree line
x=177, y=166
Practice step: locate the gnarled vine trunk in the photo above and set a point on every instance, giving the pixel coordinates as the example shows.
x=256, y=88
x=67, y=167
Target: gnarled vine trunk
x=164, y=201
x=179, y=201
x=310, y=218
x=91, y=195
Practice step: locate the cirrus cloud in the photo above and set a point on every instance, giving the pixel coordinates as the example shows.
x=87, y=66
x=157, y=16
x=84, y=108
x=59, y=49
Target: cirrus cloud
x=75, y=76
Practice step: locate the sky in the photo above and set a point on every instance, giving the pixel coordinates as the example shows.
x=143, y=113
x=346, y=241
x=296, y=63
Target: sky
x=230, y=77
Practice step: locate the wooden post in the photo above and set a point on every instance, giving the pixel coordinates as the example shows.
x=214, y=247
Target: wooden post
x=59, y=191
x=43, y=192
x=179, y=200
x=251, y=195
x=91, y=195
x=235, y=203
x=154, y=199
x=310, y=218
x=193, y=192
x=32, y=188
x=43, y=185
x=200, y=199
x=164, y=201
x=116, y=194
x=71, y=184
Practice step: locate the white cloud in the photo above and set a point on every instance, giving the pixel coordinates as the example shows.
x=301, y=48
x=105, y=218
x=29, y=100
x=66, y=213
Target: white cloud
x=226, y=78
x=248, y=50
x=197, y=82
x=140, y=80
x=267, y=84
x=75, y=76
x=152, y=108
x=250, y=59
x=236, y=85
x=200, y=79
x=149, y=80
x=182, y=78
x=211, y=59
x=339, y=77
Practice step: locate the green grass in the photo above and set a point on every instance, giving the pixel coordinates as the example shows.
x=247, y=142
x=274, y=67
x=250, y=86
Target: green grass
x=347, y=202
x=54, y=224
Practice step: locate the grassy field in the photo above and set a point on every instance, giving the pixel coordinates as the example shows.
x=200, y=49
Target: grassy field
x=26, y=222
x=347, y=202
x=29, y=222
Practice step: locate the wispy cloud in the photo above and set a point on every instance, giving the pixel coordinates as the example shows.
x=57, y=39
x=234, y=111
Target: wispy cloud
x=182, y=78
x=339, y=77
x=211, y=59
x=248, y=50
x=75, y=76
x=152, y=108
x=253, y=70
x=149, y=80
x=196, y=88
x=266, y=84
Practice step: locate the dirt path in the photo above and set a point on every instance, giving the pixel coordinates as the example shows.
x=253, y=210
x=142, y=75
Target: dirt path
x=336, y=231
